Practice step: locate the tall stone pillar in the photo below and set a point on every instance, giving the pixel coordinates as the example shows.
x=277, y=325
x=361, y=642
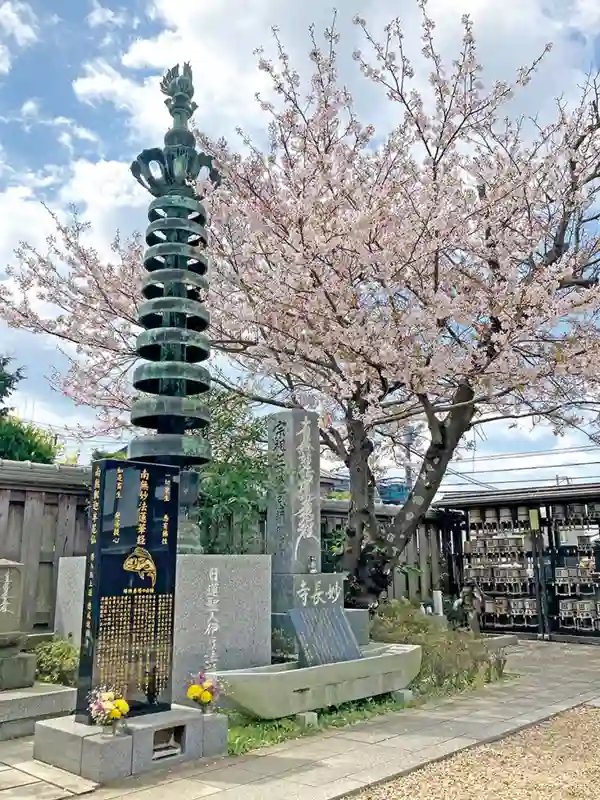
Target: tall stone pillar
x=294, y=523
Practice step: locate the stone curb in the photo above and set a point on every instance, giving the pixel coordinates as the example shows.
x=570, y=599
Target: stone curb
x=487, y=740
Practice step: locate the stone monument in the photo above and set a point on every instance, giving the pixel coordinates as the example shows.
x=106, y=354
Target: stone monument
x=294, y=526
x=325, y=665
x=22, y=700
x=17, y=669
x=128, y=619
x=129, y=588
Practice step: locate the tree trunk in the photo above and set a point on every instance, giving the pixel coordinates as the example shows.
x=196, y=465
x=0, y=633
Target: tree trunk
x=361, y=514
x=363, y=559
x=446, y=435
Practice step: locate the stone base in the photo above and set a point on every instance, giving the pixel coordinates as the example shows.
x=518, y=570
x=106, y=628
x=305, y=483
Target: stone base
x=21, y=708
x=17, y=671
x=152, y=741
x=84, y=750
x=282, y=690
x=404, y=696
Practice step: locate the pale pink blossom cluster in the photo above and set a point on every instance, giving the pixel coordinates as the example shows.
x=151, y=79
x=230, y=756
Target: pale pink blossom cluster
x=442, y=270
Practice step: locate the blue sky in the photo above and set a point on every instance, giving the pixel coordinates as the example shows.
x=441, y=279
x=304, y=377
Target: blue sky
x=79, y=98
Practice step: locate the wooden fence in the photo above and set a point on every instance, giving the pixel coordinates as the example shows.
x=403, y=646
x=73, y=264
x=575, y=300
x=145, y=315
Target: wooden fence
x=43, y=517
x=423, y=553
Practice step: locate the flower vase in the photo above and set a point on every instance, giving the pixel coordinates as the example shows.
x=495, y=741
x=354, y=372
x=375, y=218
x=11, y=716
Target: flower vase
x=113, y=728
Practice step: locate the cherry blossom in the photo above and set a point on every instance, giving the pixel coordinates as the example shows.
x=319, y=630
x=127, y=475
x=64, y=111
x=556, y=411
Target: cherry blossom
x=443, y=271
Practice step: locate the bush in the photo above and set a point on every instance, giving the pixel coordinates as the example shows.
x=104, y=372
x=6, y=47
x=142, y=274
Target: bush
x=21, y=441
x=452, y=660
x=57, y=662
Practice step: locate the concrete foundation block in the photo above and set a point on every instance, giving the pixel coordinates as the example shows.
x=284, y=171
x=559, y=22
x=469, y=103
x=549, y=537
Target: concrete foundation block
x=150, y=742
x=166, y=738
x=59, y=742
x=106, y=757
x=308, y=719
x=215, y=742
x=21, y=708
x=18, y=671
x=404, y=696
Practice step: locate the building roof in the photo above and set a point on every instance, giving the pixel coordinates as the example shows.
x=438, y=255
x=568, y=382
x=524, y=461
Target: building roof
x=27, y=475
x=524, y=496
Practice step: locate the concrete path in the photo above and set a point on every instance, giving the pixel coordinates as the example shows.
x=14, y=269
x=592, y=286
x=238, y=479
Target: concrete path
x=554, y=677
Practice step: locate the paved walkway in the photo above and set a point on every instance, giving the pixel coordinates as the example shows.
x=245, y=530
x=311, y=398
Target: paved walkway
x=554, y=677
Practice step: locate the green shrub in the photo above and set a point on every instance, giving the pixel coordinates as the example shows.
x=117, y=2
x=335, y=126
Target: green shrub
x=452, y=660
x=57, y=662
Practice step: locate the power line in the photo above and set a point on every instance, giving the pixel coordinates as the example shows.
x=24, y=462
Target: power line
x=450, y=471
x=527, y=454
x=484, y=471
x=583, y=478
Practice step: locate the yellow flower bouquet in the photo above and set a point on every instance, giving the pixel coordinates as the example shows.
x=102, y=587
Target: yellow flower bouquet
x=108, y=707
x=203, y=691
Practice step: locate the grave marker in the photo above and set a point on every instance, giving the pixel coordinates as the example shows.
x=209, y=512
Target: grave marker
x=129, y=590
x=294, y=523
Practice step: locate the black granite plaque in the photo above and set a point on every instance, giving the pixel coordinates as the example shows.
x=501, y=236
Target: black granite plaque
x=324, y=635
x=127, y=629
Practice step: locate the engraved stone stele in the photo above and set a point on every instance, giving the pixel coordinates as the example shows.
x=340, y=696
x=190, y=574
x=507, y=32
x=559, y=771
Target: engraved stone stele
x=294, y=526
x=17, y=669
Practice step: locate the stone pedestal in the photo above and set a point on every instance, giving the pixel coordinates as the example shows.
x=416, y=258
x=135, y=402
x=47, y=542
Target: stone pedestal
x=153, y=741
x=21, y=708
x=17, y=671
x=360, y=622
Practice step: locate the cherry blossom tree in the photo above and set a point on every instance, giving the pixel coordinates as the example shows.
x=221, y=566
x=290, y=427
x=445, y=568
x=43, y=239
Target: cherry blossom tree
x=443, y=271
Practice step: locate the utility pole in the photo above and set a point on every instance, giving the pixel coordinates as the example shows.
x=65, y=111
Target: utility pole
x=408, y=438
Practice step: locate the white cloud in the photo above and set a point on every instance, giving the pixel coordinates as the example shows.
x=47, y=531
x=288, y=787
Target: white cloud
x=227, y=78
x=5, y=60
x=23, y=218
x=110, y=198
x=101, y=16
x=19, y=22
x=31, y=115
x=18, y=25
x=30, y=108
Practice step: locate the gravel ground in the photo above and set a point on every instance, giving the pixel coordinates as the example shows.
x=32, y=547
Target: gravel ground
x=556, y=760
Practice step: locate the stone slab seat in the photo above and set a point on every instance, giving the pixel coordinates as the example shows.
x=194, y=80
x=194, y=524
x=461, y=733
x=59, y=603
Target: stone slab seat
x=281, y=690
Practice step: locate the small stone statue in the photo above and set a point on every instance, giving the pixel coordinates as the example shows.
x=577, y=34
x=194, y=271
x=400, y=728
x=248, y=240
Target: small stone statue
x=471, y=602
